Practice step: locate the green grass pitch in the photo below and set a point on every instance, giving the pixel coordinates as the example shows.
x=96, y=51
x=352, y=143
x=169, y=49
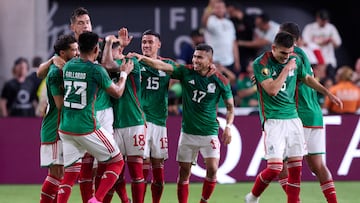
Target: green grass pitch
x=347, y=192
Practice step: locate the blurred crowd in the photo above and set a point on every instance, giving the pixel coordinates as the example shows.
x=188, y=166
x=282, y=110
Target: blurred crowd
x=238, y=35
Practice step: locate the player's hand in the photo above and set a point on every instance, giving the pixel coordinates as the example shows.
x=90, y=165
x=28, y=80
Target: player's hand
x=124, y=38
x=212, y=70
x=291, y=64
x=134, y=54
x=226, y=136
x=336, y=100
x=127, y=66
x=58, y=61
x=253, y=79
x=111, y=39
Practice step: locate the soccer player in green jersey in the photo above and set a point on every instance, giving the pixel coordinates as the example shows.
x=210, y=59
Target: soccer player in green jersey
x=199, y=133
x=310, y=113
x=154, y=100
x=129, y=119
x=80, y=129
x=276, y=73
x=51, y=145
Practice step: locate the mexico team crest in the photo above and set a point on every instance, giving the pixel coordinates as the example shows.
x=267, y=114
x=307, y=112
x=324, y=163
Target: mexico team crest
x=265, y=72
x=211, y=88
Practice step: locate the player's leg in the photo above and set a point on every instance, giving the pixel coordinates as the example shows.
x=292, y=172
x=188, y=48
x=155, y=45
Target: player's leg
x=71, y=176
x=186, y=155
x=295, y=152
x=103, y=147
x=158, y=145
x=210, y=150
x=86, y=177
x=135, y=141
x=51, y=157
x=275, y=132
x=157, y=183
x=316, y=148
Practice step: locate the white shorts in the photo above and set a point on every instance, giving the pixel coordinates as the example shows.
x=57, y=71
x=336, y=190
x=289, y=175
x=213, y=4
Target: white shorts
x=315, y=140
x=106, y=119
x=131, y=141
x=51, y=154
x=100, y=144
x=189, y=146
x=284, y=138
x=156, y=142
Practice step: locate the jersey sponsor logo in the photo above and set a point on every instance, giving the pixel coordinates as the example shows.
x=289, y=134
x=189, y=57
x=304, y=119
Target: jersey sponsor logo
x=192, y=82
x=211, y=88
x=265, y=72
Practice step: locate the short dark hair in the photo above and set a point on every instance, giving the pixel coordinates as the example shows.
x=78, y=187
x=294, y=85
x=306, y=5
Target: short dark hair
x=19, y=61
x=196, y=32
x=291, y=28
x=151, y=32
x=264, y=17
x=284, y=39
x=78, y=12
x=323, y=14
x=205, y=47
x=36, y=61
x=88, y=41
x=63, y=43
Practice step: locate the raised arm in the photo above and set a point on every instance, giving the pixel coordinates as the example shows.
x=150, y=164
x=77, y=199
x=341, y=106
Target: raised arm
x=117, y=89
x=43, y=69
x=155, y=63
x=272, y=87
x=107, y=59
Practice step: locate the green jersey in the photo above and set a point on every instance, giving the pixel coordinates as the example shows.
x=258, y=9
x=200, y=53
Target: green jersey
x=200, y=97
x=244, y=83
x=127, y=109
x=82, y=79
x=309, y=109
x=154, y=93
x=51, y=121
x=283, y=105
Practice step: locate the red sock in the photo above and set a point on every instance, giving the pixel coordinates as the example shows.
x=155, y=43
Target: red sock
x=137, y=179
x=146, y=169
x=283, y=183
x=265, y=177
x=86, y=178
x=207, y=190
x=109, y=195
x=99, y=173
x=109, y=178
x=120, y=187
x=328, y=188
x=71, y=175
x=157, y=185
x=294, y=180
x=49, y=189
x=183, y=192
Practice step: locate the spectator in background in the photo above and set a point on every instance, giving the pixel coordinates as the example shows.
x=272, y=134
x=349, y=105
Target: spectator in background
x=220, y=34
x=18, y=97
x=324, y=34
x=246, y=90
x=187, y=49
x=264, y=34
x=346, y=90
x=36, y=61
x=244, y=27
